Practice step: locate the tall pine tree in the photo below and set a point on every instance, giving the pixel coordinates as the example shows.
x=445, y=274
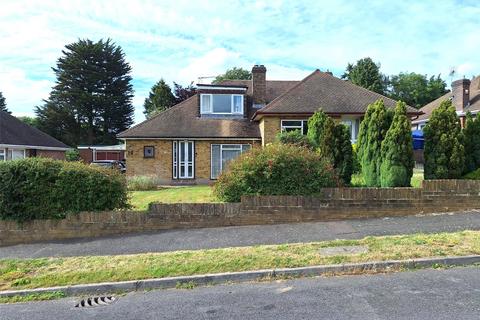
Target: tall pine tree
x=472, y=143
x=159, y=99
x=373, y=130
x=443, y=151
x=397, y=165
x=91, y=101
x=3, y=104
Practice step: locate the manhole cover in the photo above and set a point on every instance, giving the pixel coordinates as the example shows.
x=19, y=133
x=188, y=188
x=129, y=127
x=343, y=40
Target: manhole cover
x=343, y=250
x=95, y=302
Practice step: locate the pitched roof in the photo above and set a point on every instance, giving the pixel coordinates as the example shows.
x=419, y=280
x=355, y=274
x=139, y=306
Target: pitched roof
x=183, y=121
x=474, y=100
x=15, y=132
x=333, y=95
x=274, y=87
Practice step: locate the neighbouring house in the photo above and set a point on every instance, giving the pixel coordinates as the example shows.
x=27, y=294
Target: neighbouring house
x=194, y=140
x=465, y=96
x=19, y=140
x=89, y=154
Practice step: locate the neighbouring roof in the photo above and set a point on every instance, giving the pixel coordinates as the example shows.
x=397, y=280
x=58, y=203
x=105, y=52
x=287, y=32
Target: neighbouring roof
x=322, y=90
x=15, y=132
x=473, y=106
x=183, y=121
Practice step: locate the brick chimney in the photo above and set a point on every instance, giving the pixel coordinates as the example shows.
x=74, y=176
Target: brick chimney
x=259, y=83
x=461, y=94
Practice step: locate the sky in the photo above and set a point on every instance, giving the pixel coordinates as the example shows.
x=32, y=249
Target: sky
x=183, y=40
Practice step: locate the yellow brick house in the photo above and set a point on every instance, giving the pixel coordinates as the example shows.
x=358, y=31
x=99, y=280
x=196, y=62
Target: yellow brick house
x=193, y=141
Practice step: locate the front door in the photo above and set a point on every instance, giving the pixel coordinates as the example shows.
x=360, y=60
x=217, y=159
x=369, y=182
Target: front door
x=183, y=159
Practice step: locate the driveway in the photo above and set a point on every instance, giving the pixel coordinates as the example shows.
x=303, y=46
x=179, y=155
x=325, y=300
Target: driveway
x=188, y=239
x=425, y=294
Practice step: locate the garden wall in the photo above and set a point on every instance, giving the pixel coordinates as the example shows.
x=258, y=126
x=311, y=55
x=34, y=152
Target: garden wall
x=332, y=204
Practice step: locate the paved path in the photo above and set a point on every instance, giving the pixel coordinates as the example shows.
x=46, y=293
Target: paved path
x=246, y=235
x=425, y=294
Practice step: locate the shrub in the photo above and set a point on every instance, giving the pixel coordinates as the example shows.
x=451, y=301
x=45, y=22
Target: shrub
x=471, y=134
x=277, y=169
x=39, y=188
x=397, y=165
x=72, y=155
x=474, y=175
x=294, y=137
x=142, y=183
x=444, y=151
x=372, y=132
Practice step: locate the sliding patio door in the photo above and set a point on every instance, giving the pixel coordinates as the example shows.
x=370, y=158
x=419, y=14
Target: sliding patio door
x=183, y=159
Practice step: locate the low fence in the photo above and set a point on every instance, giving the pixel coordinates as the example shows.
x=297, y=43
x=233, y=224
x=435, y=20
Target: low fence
x=331, y=204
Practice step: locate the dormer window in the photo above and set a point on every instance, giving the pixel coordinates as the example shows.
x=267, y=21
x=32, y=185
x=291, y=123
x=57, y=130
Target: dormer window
x=212, y=103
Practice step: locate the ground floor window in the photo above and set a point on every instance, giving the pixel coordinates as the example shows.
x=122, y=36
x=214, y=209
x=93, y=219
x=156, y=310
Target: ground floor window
x=222, y=154
x=183, y=153
x=291, y=125
x=15, y=154
x=353, y=126
x=2, y=154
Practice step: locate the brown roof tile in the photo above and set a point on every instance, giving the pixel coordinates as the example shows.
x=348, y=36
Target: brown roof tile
x=15, y=132
x=182, y=121
x=274, y=87
x=474, y=100
x=333, y=95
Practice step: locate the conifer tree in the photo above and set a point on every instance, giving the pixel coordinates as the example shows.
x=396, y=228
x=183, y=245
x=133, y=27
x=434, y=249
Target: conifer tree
x=159, y=99
x=396, y=169
x=332, y=141
x=444, y=151
x=471, y=134
x=373, y=130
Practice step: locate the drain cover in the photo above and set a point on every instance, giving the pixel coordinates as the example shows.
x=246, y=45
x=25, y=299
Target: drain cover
x=95, y=302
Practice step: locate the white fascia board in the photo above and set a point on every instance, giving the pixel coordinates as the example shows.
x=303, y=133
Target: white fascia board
x=19, y=146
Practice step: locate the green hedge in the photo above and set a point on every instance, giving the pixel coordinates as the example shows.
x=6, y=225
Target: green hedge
x=474, y=175
x=277, y=169
x=38, y=188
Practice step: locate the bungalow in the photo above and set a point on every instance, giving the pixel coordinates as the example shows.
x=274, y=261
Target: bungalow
x=194, y=140
x=18, y=140
x=465, y=96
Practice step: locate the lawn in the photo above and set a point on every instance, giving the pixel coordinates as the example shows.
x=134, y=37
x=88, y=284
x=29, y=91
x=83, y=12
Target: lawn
x=48, y=272
x=203, y=194
x=416, y=182
x=191, y=194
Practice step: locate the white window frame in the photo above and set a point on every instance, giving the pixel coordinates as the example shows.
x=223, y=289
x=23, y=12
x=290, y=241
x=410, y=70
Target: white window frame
x=204, y=108
x=301, y=127
x=177, y=162
x=353, y=128
x=209, y=109
x=4, y=153
x=13, y=150
x=222, y=145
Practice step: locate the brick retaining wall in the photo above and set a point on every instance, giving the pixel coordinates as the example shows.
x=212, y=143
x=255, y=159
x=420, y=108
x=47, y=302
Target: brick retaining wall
x=331, y=204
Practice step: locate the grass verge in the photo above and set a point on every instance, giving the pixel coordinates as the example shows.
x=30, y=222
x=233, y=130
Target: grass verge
x=194, y=194
x=33, y=297
x=48, y=272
